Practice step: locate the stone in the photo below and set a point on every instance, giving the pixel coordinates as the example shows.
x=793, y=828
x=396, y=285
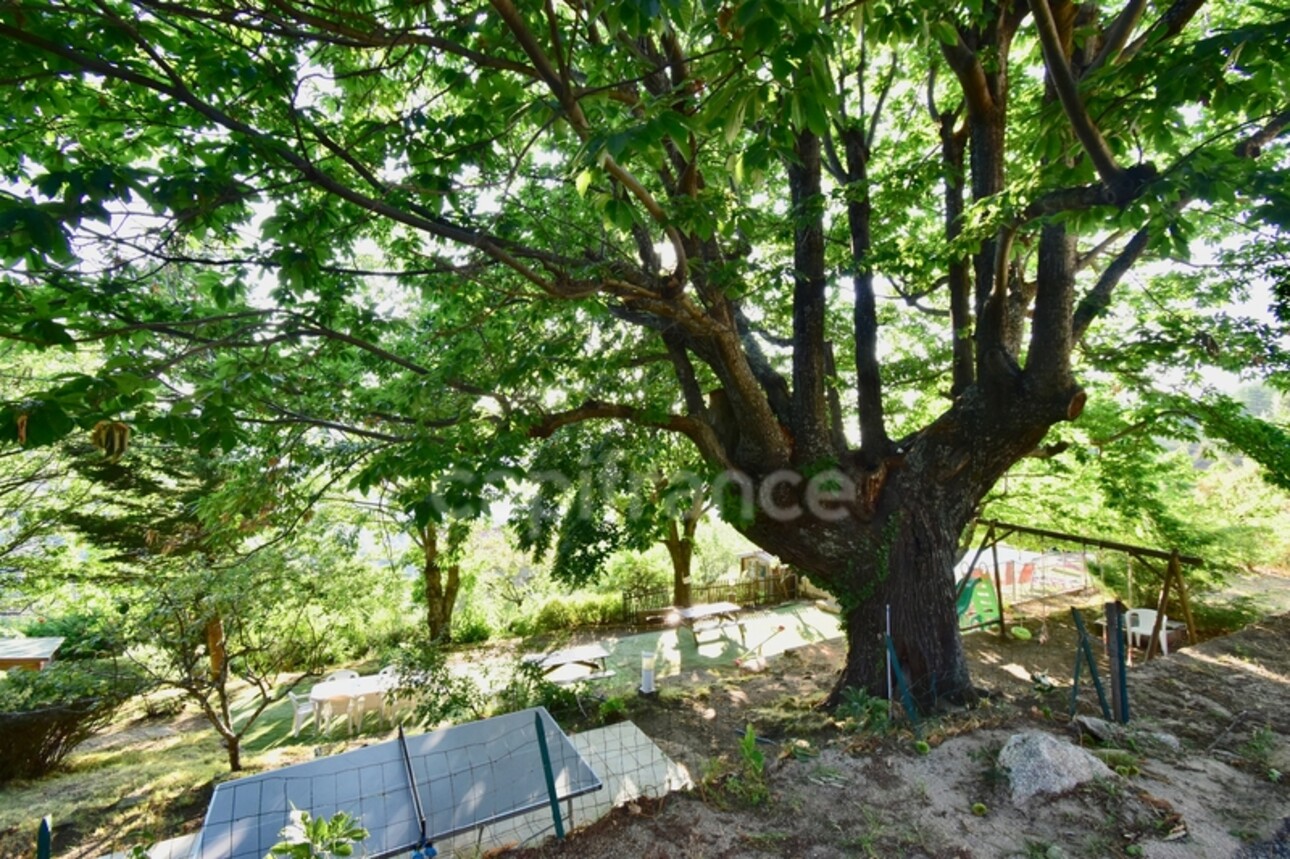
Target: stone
x=1166, y=741
x=1100, y=729
x=1039, y=763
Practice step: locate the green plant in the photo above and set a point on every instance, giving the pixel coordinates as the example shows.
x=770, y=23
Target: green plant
x=45, y=714
x=867, y=842
x=85, y=634
x=307, y=837
x=1037, y=849
x=980, y=809
x=528, y=687
x=988, y=756
x=744, y=782
x=1258, y=748
x=1258, y=751
x=860, y=711
x=612, y=710
x=749, y=783
x=470, y=627
x=440, y=694
x=768, y=840
x=562, y=613
x=1228, y=615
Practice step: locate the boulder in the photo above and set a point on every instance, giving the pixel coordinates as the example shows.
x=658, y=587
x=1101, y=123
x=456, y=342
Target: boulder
x=1039, y=763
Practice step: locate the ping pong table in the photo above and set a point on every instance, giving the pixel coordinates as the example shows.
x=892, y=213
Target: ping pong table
x=408, y=792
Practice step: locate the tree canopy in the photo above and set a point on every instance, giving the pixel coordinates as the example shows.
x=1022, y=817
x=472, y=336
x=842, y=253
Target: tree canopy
x=861, y=255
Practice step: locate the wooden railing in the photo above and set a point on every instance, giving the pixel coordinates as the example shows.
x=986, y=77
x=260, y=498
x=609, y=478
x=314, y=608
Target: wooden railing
x=646, y=608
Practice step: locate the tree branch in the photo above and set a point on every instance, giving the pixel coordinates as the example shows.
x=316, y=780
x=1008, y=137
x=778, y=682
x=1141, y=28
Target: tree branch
x=695, y=429
x=1172, y=21
x=573, y=112
x=178, y=91
x=1117, y=35
x=1063, y=80
x=810, y=418
x=1252, y=146
x=1099, y=297
x=967, y=68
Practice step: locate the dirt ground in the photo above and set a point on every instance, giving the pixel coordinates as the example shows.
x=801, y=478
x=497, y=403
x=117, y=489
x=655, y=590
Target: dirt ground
x=1199, y=768
x=1200, y=765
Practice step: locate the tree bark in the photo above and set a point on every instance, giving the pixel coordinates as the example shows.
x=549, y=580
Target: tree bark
x=680, y=548
x=898, y=547
x=441, y=583
x=811, y=426
x=873, y=425
x=215, y=648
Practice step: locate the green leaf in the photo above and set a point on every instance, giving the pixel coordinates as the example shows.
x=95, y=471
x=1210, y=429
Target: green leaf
x=945, y=32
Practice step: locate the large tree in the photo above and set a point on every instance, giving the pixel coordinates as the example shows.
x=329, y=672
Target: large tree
x=767, y=226
x=600, y=492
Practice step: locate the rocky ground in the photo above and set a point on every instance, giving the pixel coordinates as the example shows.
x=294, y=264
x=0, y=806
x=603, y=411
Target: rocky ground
x=1197, y=773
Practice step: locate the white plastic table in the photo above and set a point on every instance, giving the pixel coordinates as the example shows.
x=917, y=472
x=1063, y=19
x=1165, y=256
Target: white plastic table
x=338, y=694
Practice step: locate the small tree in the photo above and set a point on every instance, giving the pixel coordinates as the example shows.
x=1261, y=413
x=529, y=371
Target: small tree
x=249, y=621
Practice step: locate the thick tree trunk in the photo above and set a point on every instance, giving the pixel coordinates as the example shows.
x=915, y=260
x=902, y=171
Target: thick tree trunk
x=441, y=587
x=917, y=597
x=896, y=548
x=440, y=583
x=680, y=548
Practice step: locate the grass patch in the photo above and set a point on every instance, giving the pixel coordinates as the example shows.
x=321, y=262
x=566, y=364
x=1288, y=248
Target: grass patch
x=143, y=781
x=1230, y=615
x=121, y=796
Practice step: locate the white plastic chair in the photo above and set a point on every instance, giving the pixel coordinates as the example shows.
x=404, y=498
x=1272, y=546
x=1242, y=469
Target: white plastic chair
x=302, y=709
x=341, y=674
x=1139, y=622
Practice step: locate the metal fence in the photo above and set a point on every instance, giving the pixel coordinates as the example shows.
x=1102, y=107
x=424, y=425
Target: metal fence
x=645, y=608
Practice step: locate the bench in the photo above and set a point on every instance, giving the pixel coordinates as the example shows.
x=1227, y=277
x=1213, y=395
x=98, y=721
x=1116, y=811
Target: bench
x=726, y=614
x=593, y=657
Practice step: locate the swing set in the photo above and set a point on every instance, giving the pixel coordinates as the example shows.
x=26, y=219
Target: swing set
x=1166, y=565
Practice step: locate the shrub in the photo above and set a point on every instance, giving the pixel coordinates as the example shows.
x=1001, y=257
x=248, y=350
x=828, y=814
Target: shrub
x=87, y=635
x=470, y=627
x=613, y=710
x=439, y=694
x=46, y=714
x=555, y=614
x=529, y=687
x=561, y=613
x=859, y=711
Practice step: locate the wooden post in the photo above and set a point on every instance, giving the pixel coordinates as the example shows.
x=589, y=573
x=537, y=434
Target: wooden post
x=998, y=587
x=1116, y=644
x=1173, y=578
x=1128, y=563
x=1175, y=565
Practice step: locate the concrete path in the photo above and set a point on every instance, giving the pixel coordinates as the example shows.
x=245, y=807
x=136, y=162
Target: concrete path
x=766, y=632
